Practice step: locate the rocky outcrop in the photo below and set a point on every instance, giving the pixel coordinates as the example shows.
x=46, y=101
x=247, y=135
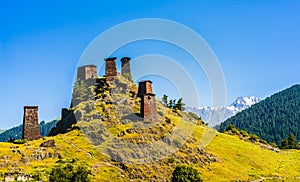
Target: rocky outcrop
x=48, y=143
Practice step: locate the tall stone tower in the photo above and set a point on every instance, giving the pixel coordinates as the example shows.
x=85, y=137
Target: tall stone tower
x=31, y=130
x=148, y=103
x=87, y=72
x=110, y=68
x=125, y=70
x=145, y=87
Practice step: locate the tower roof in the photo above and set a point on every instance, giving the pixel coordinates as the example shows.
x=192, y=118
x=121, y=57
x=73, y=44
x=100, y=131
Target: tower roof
x=110, y=59
x=89, y=65
x=145, y=81
x=30, y=107
x=125, y=59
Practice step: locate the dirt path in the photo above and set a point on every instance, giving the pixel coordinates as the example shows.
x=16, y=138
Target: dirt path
x=75, y=146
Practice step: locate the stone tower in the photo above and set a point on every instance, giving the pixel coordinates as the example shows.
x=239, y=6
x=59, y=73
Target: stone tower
x=31, y=130
x=148, y=103
x=110, y=68
x=145, y=87
x=87, y=72
x=125, y=66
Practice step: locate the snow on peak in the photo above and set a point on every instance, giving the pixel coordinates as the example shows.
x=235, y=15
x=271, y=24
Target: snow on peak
x=242, y=103
x=216, y=115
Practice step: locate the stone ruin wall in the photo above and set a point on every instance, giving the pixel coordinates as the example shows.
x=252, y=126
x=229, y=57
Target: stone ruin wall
x=31, y=130
x=87, y=72
x=125, y=68
x=110, y=68
x=148, y=108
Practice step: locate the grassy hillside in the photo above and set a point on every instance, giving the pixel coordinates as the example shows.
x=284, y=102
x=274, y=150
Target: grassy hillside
x=233, y=159
x=272, y=119
x=117, y=145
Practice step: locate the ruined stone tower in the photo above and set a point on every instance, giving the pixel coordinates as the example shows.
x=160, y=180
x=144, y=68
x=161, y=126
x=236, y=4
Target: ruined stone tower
x=125, y=69
x=145, y=87
x=87, y=72
x=110, y=68
x=31, y=130
x=148, y=103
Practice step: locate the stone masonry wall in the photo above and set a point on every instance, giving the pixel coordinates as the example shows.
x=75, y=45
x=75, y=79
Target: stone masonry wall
x=31, y=129
x=125, y=69
x=110, y=68
x=87, y=72
x=145, y=87
x=148, y=103
x=148, y=107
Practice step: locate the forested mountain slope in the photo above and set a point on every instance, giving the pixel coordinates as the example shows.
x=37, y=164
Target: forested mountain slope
x=272, y=119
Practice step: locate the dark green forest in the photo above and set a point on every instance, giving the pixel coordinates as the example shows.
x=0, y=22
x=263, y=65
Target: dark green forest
x=273, y=119
x=15, y=133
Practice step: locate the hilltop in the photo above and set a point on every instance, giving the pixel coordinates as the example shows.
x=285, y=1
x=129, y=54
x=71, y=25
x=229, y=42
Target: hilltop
x=117, y=131
x=104, y=140
x=272, y=119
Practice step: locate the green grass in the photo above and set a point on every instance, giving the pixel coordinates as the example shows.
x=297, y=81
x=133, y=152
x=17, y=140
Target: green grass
x=240, y=160
x=237, y=159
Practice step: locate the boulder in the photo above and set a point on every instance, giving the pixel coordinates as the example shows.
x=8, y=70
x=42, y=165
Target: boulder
x=48, y=143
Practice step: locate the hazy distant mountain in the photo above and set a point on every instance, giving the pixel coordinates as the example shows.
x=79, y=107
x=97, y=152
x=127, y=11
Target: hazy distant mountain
x=216, y=115
x=272, y=119
x=1, y=131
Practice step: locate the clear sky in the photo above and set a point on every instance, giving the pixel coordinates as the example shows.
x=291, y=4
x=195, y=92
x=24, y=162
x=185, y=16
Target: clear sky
x=256, y=42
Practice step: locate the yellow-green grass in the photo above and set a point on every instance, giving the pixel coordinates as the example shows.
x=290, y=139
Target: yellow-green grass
x=69, y=145
x=237, y=159
x=241, y=160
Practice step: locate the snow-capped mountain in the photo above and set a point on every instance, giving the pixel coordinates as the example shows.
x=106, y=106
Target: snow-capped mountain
x=216, y=115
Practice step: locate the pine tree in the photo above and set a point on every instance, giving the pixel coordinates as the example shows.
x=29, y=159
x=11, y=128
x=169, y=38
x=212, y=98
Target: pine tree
x=180, y=105
x=165, y=100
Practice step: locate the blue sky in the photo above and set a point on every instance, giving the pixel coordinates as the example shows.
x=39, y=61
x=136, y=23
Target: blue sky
x=256, y=42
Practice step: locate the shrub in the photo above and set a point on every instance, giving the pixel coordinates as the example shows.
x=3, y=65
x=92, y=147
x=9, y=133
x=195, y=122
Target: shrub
x=263, y=141
x=229, y=127
x=70, y=171
x=168, y=120
x=244, y=133
x=171, y=160
x=185, y=173
x=289, y=143
x=20, y=141
x=253, y=137
x=160, y=113
x=273, y=145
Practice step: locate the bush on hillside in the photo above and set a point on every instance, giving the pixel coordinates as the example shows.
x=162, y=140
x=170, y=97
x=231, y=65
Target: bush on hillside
x=20, y=141
x=70, y=171
x=185, y=173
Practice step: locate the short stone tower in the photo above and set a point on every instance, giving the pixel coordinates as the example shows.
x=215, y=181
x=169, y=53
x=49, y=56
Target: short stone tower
x=110, y=68
x=148, y=103
x=125, y=69
x=87, y=72
x=31, y=130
